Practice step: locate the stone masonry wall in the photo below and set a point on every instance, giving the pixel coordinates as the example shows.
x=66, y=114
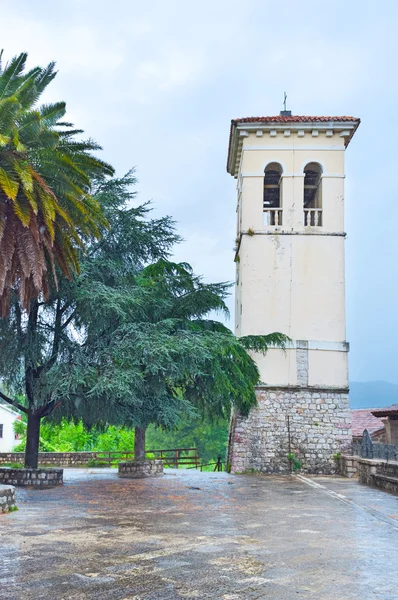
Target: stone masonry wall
x=37, y=478
x=320, y=426
x=140, y=468
x=382, y=474
x=348, y=465
x=59, y=459
x=7, y=498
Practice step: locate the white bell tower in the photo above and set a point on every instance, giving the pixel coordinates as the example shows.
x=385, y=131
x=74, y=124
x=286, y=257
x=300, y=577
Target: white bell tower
x=290, y=278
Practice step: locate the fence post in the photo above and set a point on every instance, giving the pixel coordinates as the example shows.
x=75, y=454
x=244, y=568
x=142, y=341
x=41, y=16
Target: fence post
x=366, y=445
x=218, y=466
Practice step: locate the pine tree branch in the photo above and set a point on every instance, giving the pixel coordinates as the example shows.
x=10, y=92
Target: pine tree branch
x=65, y=307
x=68, y=320
x=13, y=403
x=48, y=408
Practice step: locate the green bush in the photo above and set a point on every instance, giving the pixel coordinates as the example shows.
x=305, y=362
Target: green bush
x=294, y=461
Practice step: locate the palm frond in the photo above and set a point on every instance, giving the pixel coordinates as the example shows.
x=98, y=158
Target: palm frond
x=11, y=73
x=46, y=177
x=8, y=185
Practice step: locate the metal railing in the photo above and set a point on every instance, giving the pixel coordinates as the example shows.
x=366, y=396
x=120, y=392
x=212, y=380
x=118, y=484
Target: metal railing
x=367, y=448
x=218, y=466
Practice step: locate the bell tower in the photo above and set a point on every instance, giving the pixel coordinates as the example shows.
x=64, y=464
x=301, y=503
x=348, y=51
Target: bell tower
x=290, y=278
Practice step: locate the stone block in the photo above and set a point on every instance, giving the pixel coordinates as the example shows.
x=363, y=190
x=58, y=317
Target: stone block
x=139, y=469
x=33, y=477
x=7, y=498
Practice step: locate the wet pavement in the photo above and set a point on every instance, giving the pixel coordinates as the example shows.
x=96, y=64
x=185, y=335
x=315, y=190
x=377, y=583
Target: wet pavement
x=200, y=535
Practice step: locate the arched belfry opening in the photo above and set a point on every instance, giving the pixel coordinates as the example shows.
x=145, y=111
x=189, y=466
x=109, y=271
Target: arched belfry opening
x=272, y=201
x=313, y=195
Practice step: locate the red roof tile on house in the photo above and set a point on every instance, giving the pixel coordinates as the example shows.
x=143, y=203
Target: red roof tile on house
x=363, y=418
x=385, y=412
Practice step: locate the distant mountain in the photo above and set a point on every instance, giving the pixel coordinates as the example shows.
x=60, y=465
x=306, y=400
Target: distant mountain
x=372, y=394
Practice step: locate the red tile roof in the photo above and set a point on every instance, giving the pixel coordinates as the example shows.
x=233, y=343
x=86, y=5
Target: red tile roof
x=363, y=418
x=286, y=120
x=293, y=119
x=385, y=412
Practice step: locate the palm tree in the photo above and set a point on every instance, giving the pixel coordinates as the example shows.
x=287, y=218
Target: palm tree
x=46, y=210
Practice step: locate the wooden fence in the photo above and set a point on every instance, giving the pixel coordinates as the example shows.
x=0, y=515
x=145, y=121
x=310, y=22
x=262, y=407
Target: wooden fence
x=172, y=457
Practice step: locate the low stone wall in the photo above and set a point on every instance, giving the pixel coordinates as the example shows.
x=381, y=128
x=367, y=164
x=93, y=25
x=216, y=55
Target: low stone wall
x=37, y=478
x=56, y=459
x=7, y=498
x=377, y=473
x=140, y=468
x=348, y=465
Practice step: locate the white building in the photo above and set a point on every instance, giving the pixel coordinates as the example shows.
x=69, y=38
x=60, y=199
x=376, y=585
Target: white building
x=8, y=416
x=290, y=278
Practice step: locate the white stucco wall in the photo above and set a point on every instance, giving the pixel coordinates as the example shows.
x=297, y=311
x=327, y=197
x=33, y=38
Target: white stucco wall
x=7, y=419
x=292, y=278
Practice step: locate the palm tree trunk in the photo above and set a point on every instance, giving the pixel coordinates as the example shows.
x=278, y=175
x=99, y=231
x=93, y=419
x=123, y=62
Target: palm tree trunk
x=139, y=443
x=32, y=440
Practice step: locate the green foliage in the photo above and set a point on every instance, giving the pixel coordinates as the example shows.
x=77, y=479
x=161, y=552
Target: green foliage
x=67, y=436
x=55, y=330
x=294, y=461
x=210, y=438
x=150, y=353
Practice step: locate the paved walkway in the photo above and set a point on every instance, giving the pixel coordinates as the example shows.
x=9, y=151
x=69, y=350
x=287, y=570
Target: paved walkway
x=200, y=535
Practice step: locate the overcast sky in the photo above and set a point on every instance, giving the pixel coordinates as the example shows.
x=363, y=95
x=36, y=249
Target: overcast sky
x=157, y=83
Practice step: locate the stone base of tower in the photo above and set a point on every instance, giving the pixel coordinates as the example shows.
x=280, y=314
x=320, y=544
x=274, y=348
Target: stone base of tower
x=319, y=423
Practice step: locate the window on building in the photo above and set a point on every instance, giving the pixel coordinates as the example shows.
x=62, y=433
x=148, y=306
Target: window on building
x=1, y=431
x=313, y=195
x=272, y=194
